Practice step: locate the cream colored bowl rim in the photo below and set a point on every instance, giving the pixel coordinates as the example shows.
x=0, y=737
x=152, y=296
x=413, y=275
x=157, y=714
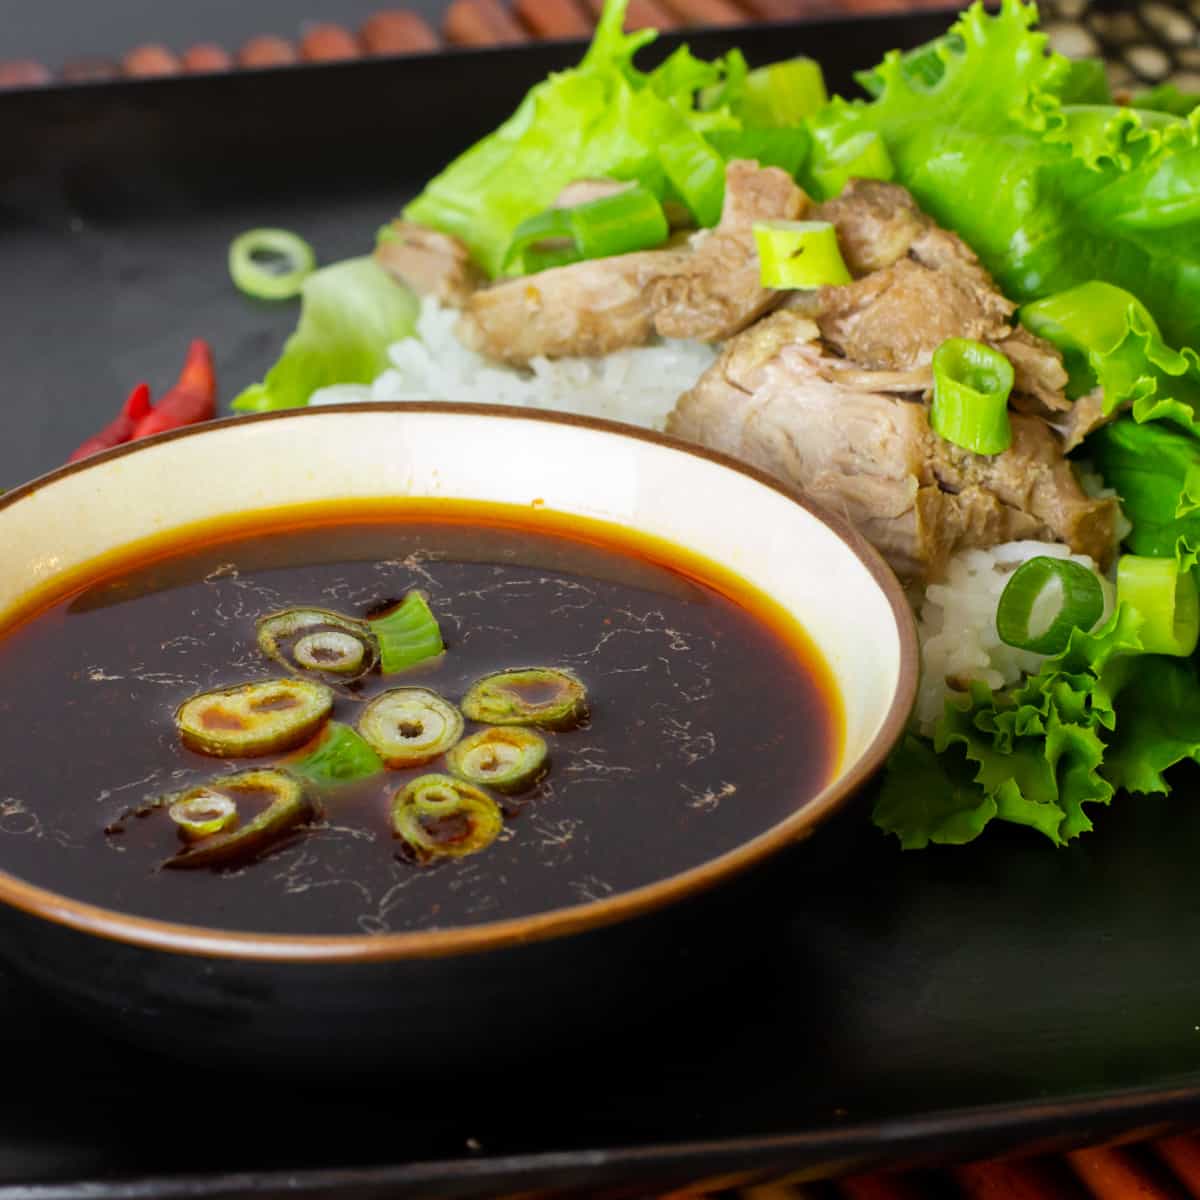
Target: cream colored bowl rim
x=177, y=938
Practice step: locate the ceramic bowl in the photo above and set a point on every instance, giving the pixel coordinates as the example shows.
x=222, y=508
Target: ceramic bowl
x=339, y=1002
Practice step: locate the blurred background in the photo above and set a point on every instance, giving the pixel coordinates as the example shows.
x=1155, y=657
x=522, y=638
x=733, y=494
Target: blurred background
x=56, y=40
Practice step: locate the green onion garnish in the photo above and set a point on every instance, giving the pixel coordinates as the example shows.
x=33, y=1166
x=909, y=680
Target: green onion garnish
x=971, y=384
x=799, y=254
x=337, y=756
x=507, y=758
x=783, y=94
x=202, y=812
x=838, y=157
x=270, y=264
x=437, y=816
x=618, y=224
x=407, y=634
x=1166, y=600
x=1080, y=604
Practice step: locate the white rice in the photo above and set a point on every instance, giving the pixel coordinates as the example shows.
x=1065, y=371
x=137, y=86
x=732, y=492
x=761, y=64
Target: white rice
x=639, y=386
x=957, y=623
x=957, y=617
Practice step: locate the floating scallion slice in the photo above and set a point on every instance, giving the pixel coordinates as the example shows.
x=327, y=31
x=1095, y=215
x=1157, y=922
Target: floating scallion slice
x=253, y=718
x=799, y=254
x=282, y=805
x=617, y=224
x=437, y=816
x=338, y=755
x=506, y=758
x=270, y=264
x=545, y=696
x=409, y=726
x=971, y=385
x=202, y=812
x=1080, y=604
x=407, y=634
x=319, y=640
x=1165, y=598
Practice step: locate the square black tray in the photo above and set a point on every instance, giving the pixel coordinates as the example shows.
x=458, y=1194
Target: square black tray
x=889, y=1007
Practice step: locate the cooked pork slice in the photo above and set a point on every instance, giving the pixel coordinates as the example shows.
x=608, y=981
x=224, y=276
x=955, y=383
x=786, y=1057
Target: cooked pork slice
x=1039, y=377
x=584, y=191
x=587, y=308
x=894, y=319
x=876, y=223
x=917, y=284
x=705, y=287
x=714, y=292
x=777, y=399
x=431, y=263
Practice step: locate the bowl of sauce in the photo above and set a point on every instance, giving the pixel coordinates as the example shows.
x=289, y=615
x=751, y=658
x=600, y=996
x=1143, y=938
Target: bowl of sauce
x=327, y=733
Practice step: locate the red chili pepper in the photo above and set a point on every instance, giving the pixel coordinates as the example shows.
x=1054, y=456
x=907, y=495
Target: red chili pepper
x=135, y=409
x=192, y=399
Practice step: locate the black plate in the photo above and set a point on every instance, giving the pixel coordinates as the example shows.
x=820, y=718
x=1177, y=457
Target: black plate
x=889, y=1006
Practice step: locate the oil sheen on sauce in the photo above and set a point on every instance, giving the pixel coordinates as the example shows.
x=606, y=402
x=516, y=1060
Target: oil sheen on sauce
x=712, y=716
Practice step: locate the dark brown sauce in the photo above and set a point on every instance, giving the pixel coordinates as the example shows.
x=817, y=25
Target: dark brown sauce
x=712, y=718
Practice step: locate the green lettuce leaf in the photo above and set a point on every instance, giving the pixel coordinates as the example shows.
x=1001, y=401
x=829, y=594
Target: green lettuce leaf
x=1031, y=755
x=603, y=118
x=351, y=312
x=1166, y=98
x=1049, y=192
x=1156, y=471
x=1109, y=339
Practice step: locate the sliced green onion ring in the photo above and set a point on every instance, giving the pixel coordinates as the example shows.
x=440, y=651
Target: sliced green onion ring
x=545, y=696
x=863, y=156
x=783, y=94
x=202, y=812
x=799, y=254
x=617, y=224
x=319, y=640
x=407, y=634
x=253, y=718
x=284, y=805
x=506, y=758
x=438, y=816
x=409, y=726
x=1081, y=603
x=337, y=755
x=1165, y=598
x=270, y=264
x=971, y=385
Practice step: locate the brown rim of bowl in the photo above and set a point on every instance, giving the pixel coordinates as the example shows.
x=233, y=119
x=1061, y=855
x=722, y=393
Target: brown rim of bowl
x=303, y=948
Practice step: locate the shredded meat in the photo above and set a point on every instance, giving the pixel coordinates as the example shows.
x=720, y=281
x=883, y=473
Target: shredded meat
x=431, y=263
x=705, y=287
x=838, y=433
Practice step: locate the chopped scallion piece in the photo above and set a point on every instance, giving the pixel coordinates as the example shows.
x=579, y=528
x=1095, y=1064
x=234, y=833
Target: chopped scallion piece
x=409, y=726
x=270, y=264
x=1165, y=598
x=284, y=805
x=619, y=224
x=783, y=94
x=437, y=816
x=799, y=254
x=861, y=156
x=506, y=758
x=1080, y=604
x=318, y=640
x=971, y=385
x=545, y=696
x=253, y=718
x=338, y=755
x=407, y=634
x=202, y=812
